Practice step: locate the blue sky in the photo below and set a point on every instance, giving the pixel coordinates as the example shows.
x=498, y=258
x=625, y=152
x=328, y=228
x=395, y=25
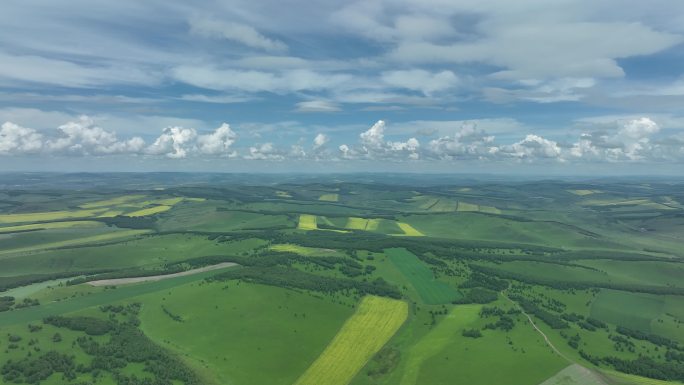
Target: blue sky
x=569, y=86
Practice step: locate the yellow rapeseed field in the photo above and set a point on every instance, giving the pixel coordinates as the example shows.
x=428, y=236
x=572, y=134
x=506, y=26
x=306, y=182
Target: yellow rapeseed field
x=47, y=216
x=307, y=222
x=50, y=225
x=149, y=211
x=362, y=335
x=409, y=230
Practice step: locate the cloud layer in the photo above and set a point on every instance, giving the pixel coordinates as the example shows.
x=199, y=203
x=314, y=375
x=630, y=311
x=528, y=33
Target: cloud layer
x=631, y=140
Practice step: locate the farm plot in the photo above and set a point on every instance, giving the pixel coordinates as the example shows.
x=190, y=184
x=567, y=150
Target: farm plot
x=409, y=230
x=149, y=211
x=307, y=222
x=48, y=216
x=329, y=197
x=50, y=225
x=354, y=223
x=362, y=335
x=632, y=310
x=430, y=290
x=109, y=236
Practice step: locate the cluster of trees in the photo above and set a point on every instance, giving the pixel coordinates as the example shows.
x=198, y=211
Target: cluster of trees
x=566, y=285
x=32, y=370
x=478, y=279
x=297, y=279
x=6, y=303
x=652, y=338
x=471, y=333
x=478, y=295
x=171, y=315
x=641, y=366
x=90, y=325
x=7, y=283
x=554, y=321
x=147, y=222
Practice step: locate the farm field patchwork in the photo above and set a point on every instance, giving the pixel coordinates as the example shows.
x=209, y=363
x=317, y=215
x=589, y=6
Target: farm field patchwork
x=339, y=282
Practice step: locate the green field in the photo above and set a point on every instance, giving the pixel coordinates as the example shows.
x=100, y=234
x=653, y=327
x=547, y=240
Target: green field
x=430, y=290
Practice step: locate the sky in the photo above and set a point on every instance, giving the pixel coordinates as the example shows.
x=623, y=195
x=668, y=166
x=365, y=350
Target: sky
x=498, y=86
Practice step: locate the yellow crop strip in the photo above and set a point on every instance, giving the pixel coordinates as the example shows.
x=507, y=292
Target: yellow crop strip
x=78, y=241
x=111, y=202
x=149, y=211
x=362, y=335
x=307, y=222
x=356, y=223
x=50, y=225
x=329, y=197
x=409, y=230
x=47, y=216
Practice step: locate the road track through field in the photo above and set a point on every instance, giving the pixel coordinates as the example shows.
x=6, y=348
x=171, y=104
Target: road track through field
x=548, y=342
x=153, y=278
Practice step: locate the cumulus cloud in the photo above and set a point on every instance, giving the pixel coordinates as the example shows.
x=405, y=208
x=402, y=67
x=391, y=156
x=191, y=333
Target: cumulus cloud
x=173, y=142
x=236, y=32
x=468, y=142
x=265, y=151
x=533, y=147
x=320, y=140
x=15, y=139
x=218, y=142
x=83, y=136
x=372, y=145
x=632, y=140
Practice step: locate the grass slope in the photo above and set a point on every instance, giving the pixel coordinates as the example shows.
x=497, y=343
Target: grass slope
x=430, y=290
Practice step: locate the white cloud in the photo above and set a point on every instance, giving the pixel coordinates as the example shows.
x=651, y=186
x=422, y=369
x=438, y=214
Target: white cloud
x=632, y=140
x=320, y=140
x=237, y=32
x=568, y=49
x=15, y=139
x=317, y=106
x=533, y=147
x=421, y=80
x=34, y=69
x=265, y=151
x=84, y=137
x=258, y=81
x=218, y=142
x=468, y=142
x=173, y=142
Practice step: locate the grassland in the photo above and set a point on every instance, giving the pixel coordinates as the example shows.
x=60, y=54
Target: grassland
x=243, y=333
x=375, y=321
x=307, y=222
x=430, y=290
x=436, y=340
